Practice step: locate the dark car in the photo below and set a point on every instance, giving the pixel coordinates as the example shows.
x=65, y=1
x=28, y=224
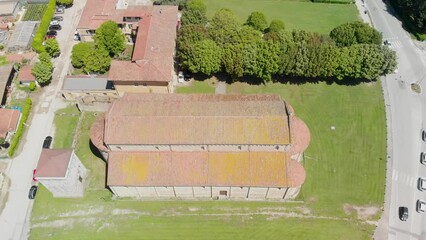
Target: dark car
x=403, y=213
x=52, y=33
x=59, y=10
x=32, y=192
x=55, y=27
x=58, y=18
x=47, y=142
x=188, y=75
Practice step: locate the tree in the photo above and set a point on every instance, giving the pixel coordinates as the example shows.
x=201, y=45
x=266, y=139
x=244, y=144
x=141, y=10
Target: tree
x=355, y=33
x=79, y=52
x=276, y=26
x=206, y=58
x=223, y=27
x=109, y=37
x=52, y=47
x=414, y=11
x=188, y=36
x=45, y=57
x=43, y=72
x=97, y=61
x=257, y=20
x=193, y=17
x=64, y=2
x=198, y=5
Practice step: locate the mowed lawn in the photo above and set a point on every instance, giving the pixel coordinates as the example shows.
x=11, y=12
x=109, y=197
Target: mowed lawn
x=304, y=15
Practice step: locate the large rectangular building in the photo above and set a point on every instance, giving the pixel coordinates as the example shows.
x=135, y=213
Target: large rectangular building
x=199, y=146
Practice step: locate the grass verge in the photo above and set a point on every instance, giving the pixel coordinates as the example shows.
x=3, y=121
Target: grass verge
x=65, y=122
x=304, y=15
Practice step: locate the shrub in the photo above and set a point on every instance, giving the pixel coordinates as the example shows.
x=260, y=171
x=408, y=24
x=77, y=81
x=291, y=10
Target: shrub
x=32, y=86
x=37, y=44
x=64, y=2
x=52, y=47
x=1, y=46
x=21, y=127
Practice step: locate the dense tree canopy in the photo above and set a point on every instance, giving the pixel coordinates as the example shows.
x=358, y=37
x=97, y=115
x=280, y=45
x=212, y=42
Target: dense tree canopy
x=97, y=61
x=276, y=26
x=257, y=20
x=79, y=52
x=109, y=37
x=414, y=11
x=355, y=33
x=43, y=69
x=52, y=47
x=205, y=58
x=194, y=13
x=351, y=51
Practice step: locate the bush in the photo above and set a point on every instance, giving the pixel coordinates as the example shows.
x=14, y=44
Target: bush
x=1, y=46
x=21, y=127
x=32, y=86
x=52, y=47
x=79, y=52
x=37, y=44
x=64, y=2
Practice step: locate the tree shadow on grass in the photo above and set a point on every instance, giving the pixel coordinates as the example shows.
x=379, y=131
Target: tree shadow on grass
x=329, y=81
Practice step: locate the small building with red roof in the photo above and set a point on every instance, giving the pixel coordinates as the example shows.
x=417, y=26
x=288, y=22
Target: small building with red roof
x=25, y=75
x=9, y=119
x=61, y=172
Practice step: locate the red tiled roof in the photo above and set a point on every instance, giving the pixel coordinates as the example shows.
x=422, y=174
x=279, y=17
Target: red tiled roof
x=53, y=163
x=97, y=12
x=258, y=169
x=25, y=74
x=9, y=119
x=97, y=132
x=152, y=58
x=197, y=119
x=301, y=136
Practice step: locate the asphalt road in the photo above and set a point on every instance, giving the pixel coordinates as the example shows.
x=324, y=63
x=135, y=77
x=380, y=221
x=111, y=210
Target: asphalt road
x=14, y=219
x=406, y=111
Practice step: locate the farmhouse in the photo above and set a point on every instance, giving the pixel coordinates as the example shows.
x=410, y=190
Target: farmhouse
x=152, y=29
x=201, y=146
x=61, y=172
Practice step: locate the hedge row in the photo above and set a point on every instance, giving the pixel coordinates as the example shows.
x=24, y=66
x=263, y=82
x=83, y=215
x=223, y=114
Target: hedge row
x=21, y=127
x=44, y=26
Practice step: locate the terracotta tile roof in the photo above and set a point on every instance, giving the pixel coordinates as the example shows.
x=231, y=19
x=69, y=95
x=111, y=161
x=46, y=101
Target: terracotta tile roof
x=98, y=11
x=97, y=132
x=301, y=137
x=9, y=119
x=152, y=58
x=25, y=74
x=260, y=169
x=53, y=163
x=197, y=119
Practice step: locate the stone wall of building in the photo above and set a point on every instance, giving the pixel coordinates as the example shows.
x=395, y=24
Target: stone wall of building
x=208, y=192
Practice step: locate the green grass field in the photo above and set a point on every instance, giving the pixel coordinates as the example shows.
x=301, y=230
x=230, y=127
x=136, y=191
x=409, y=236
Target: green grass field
x=344, y=166
x=305, y=15
x=65, y=122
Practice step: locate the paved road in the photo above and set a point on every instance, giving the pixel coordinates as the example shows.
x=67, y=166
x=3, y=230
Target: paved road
x=405, y=113
x=14, y=219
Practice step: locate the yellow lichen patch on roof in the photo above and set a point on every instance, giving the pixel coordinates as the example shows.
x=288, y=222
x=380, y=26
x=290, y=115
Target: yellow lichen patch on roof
x=261, y=169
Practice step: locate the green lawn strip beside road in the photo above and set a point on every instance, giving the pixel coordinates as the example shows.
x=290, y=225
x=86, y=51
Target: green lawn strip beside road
x=305, y=15
x=65, y=122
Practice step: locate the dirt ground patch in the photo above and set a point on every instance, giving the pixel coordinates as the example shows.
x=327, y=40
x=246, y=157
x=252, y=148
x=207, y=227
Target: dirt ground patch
x=362, y=212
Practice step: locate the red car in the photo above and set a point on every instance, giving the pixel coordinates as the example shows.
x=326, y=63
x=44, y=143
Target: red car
x=34, y=172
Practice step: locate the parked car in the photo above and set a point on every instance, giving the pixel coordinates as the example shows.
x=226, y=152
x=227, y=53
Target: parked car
x=57, y=18
x=403, y=213
x=51, y=34
x=47, y=141
x=55, y=27
x=34, y=172
x=423, y=158
x=421, y=206
x=387, y=43
x=421, y=184
x=181, y=78
x=32, y=193
x=188, y=75
x=59, y=10
x=54, y=22
x=424, y=135
x=76, y=36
